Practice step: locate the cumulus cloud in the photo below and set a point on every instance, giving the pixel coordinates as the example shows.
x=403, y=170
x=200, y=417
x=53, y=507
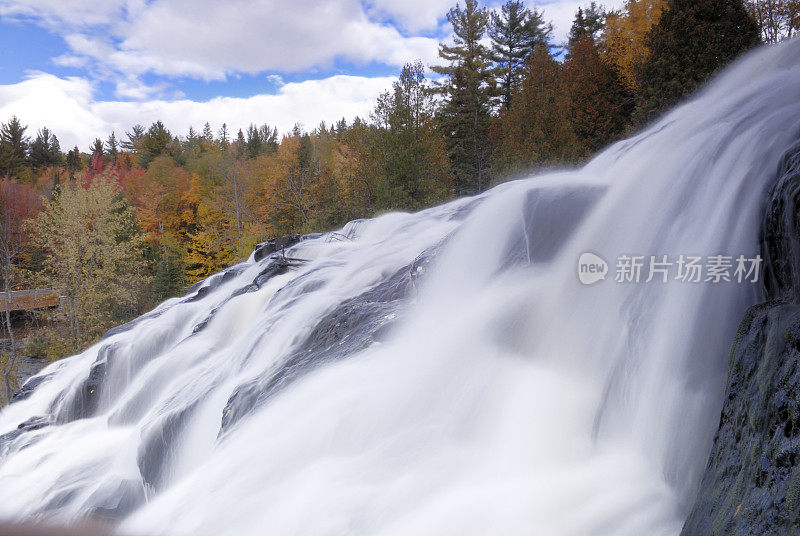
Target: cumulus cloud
x=412, y=15
x=121, y=41
x=68, y=107
x=210, y=40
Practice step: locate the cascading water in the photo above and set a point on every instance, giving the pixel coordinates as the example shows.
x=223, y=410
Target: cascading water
x=443, y=372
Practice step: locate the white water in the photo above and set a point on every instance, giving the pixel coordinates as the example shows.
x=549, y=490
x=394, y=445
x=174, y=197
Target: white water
x=508, y=398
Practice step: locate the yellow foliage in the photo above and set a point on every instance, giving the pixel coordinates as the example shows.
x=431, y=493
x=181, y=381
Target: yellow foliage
x=624, y=42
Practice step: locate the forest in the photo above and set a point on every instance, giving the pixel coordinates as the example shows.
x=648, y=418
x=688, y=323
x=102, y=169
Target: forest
x=133, y=219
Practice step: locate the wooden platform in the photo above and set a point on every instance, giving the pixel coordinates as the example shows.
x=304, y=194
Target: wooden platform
x=29, y=300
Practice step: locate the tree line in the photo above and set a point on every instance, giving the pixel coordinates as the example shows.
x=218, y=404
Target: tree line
x=132, y=220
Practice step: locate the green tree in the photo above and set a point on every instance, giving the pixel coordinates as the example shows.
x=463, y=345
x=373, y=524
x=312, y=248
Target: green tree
x=112, y=148
x=134, y=137
x=409, y=144
x=515, y=33
x=692, y=40
x=241, y=145
x=97, y=148
x=465, y=114
x=537, y=130
x=13, y=147
x=74, y=162
x=588, y=22
x=169, y=277
x=600, y=107
x=94, y=255
x=155, y=142
x=45, y=151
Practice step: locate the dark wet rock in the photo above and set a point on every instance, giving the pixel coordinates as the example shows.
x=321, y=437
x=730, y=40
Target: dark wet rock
x=30, y=386
x=277, y=266
x=557, y=211
x=351, y=327
x=115, y=501
x=269, y=247
x=781, y=232
x=35, y=423
x=83, y=400
x=205, y=287
x=32, y=424
x=156, y=453
x=751, y=485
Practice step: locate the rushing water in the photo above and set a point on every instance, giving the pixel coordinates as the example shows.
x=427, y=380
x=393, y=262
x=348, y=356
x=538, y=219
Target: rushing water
x=443, y=372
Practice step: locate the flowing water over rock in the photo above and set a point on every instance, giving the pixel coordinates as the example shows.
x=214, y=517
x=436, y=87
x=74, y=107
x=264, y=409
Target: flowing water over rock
x=443, y=372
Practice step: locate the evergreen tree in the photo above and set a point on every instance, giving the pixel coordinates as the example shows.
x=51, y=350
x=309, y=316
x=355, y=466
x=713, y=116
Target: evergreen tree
x=254, y=144
x=169, y=277
x=600, y=106
x=241, y=145
x=155, y=142
x=134, y=137
x=97, y=148
x=588, y=22
x=409, y=146
x=692, y=40
x=223, y=137
x=269, y=138
x=112, y=148
x=515, y=33
x=13, y=147
x=537, y=130
x=207, y=134
x=74, y=162
x=465, y=115
x=45, y=151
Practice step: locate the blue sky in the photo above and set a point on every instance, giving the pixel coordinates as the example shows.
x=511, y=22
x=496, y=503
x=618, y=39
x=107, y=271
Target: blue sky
x=85, y=68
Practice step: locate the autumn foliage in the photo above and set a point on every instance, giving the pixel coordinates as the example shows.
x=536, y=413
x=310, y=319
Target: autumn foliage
x=138, y=217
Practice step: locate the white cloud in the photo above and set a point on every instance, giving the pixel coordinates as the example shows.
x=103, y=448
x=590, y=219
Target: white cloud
x=562, y=13
x=67, y=106
x=412, y=15
x=211, y=40
x=120, y=41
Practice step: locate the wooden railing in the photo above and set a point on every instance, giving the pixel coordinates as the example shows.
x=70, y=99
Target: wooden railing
x=29, y=300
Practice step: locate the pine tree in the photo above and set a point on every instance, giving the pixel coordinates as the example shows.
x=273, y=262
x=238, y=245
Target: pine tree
x=465, y=115
x=74, y=162
x=45, y=151
x=588, y=22
x=408, y=145
x=254, y=144
x=134, y=137
x=515, y=33
x=600, y=106
x=537, y=131
x=692, y=41
x=112, y=148
x=155, y=142
x=169, y=277
x=207, y=134
x=223, y=137
x=13, y=147
x=241, y=145
x=97, y=148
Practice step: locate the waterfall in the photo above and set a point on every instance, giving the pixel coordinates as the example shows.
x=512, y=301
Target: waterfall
x=443, y=372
